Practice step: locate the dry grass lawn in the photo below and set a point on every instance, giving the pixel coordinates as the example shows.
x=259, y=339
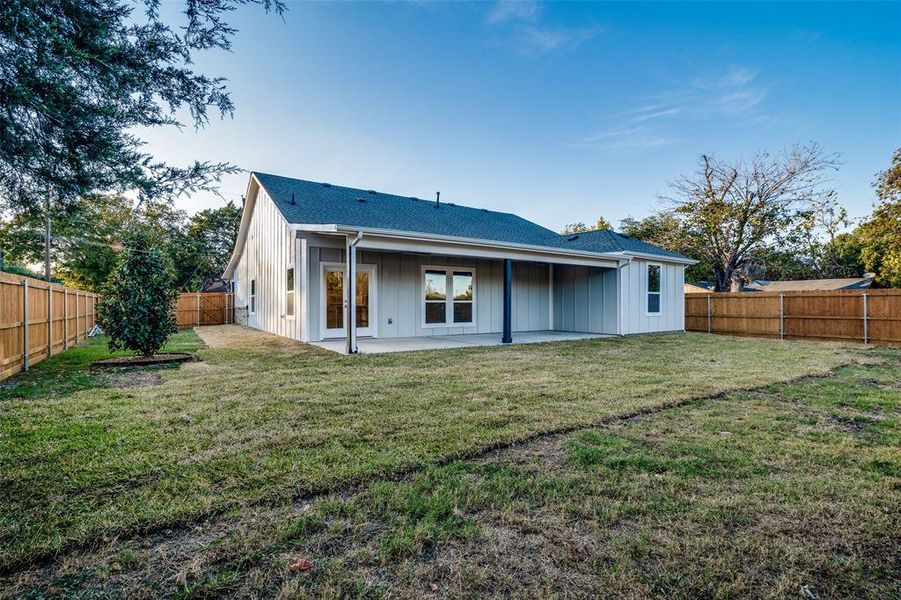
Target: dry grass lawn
x=261, y=422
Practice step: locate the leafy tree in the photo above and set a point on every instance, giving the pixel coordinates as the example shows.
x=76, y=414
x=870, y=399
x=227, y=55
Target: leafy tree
x=571, y=228
x=85, y=235
x=135, y=310
x=88, y=235
x=663, y=229
x=880, y=235
x=78, y=79
x=737, y=209
x=816, y=244
x=580, y=226
x=603, y=223
x=210, y=235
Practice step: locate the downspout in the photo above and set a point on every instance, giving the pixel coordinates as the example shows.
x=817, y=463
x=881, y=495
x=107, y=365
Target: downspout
x=352, y=293
x=619, y=293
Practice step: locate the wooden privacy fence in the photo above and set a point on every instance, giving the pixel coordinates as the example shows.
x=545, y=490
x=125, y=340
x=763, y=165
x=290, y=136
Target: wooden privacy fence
x=39, y=319
x=205, y=308
x=866, y=316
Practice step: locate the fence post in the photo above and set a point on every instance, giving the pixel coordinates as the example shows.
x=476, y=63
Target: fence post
x=49, y=320
x=65, y=318
x=781, y=316
x=25, y=324
x=709, y=330
x=76, y=317
x=866, y=319
x=197, y=301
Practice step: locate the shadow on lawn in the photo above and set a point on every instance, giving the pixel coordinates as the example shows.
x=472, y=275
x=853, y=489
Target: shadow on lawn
x=70, y=371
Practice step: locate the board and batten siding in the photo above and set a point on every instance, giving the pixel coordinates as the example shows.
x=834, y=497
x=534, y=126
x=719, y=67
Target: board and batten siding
x=399, y=293
x=269, y=250
x=584, y=299
x=634, y=301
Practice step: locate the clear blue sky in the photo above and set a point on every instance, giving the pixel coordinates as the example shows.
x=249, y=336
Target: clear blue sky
x=558, y=112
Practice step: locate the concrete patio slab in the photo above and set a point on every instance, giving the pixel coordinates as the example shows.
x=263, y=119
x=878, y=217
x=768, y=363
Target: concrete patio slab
x=442, y=342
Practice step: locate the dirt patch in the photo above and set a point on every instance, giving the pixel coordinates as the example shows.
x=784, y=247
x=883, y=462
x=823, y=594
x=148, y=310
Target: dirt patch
x=238, y=336
x=140, y=361
x=882, y=385
x=131, y=378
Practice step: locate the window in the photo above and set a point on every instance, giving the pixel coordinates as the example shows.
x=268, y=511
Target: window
x=654, y=275
x=253, y=296
x=289, y=292
x=449, y=296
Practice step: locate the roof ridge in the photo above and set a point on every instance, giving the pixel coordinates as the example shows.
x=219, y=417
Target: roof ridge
x=394, y=195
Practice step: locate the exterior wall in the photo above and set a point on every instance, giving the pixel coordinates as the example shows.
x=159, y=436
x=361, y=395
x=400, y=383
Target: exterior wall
x=268, y=252
x=399, y=293
x=633, y=292
x=585, y=299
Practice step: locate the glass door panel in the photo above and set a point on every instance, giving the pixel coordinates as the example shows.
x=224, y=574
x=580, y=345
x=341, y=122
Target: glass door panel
x=334, y=301
x=333, y=306
x=362, y=299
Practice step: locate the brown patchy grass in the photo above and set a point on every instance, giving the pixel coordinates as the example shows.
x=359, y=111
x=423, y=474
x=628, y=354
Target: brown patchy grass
x=262, y=421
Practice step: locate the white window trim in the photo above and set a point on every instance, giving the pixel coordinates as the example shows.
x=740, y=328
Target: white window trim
x=449, y=301
x=252, y=296
x=293, y=293
x=648, y=292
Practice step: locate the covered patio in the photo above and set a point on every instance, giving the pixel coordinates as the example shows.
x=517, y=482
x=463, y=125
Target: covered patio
x=442, y=342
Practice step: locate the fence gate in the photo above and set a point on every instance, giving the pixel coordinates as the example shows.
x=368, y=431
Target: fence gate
x=204, y=308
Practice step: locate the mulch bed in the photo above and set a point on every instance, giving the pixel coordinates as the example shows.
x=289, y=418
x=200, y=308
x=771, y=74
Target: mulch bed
x=141, y=361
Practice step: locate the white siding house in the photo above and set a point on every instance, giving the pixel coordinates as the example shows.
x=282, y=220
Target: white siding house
x=422, y=268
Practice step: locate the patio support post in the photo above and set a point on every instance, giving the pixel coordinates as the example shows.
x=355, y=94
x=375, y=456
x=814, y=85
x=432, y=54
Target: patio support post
x=508, y=302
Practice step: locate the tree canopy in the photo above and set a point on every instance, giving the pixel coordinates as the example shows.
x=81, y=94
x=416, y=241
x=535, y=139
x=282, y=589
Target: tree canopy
x=580, y=226
x=89, y=235
x=880, y=235
x=736, y=209
x=79, y=80
x=135, y=309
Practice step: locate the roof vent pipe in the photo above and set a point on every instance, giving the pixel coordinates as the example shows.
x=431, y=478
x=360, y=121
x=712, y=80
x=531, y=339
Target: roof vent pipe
x=292, y=198
x=437, y=199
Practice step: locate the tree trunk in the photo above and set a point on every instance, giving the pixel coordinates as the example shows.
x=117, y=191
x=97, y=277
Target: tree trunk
x=723, y=279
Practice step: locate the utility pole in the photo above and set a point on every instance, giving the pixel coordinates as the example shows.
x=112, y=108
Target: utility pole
x=47, y=241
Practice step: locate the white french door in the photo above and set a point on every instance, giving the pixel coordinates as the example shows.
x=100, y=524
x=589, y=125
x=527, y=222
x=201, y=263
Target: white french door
x=333, y=300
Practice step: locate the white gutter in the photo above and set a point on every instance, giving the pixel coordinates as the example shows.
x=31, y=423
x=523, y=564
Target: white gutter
x=407, y=235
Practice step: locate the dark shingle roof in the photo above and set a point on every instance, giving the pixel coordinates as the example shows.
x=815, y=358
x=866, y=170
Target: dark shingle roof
x=605, y=240
x=326, y=204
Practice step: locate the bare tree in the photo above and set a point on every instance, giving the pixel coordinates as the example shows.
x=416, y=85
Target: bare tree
x=736, y=209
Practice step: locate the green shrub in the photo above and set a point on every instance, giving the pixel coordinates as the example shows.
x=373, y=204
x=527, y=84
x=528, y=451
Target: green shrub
x=137, y=301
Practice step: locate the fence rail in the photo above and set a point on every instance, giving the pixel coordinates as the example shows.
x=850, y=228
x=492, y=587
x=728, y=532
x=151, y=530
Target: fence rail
x=866, y=316
x=40, y=319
